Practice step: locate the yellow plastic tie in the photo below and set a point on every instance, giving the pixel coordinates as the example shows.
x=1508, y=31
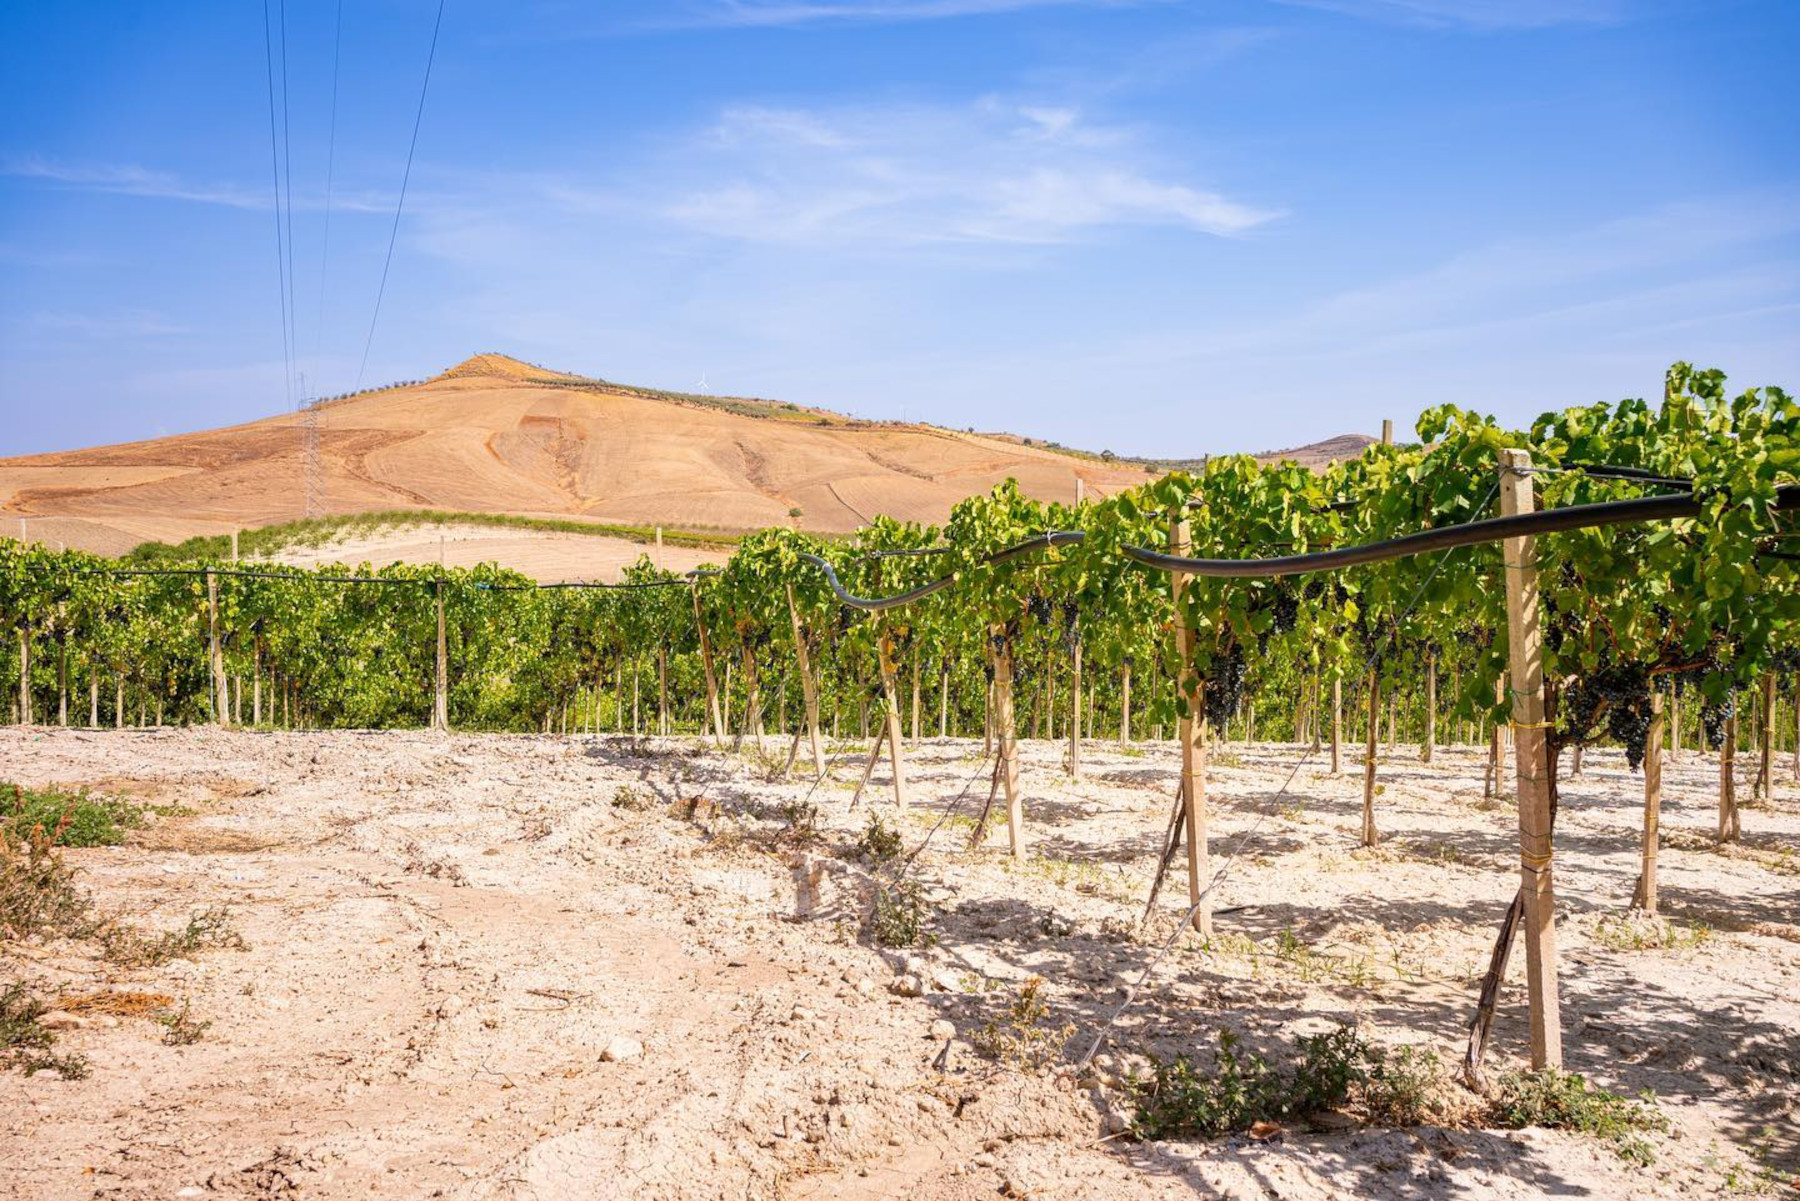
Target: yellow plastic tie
x=1536, y=863
x=1531, y=725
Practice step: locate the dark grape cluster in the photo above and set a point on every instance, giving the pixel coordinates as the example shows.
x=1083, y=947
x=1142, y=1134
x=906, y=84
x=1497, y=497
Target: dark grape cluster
x=1713, y=718
x=1225, y=685
x=1284, y=611
x=1039, y=608
x=1619, y=692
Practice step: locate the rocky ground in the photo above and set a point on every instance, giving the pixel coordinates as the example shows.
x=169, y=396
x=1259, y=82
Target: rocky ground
x=537, y=967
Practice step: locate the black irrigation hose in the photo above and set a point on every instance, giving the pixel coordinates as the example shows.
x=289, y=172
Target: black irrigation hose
x=877, y=604
x=1550, y=521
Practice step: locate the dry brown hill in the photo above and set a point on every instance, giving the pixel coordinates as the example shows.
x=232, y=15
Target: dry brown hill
x=496, y=435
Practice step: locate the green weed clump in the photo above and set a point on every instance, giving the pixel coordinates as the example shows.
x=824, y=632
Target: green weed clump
x=205, y=928
x=1337, y=1070
x=880, y=842
x=72, y=819
x=1566, y=1101
x=1022, y=1037
x=898, y=919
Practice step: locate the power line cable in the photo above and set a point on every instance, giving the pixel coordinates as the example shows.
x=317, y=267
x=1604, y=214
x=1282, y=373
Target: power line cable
x=337, y=39
x=287, y=354
x=399, y=207
x=287, y=164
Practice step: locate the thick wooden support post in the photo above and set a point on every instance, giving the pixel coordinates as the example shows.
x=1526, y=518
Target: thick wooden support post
x=440, y=705
x=215, y=656
x=1192, y=733
x=1531, y=743
x=808, y=686
x=1009, y=747
x=1371, y=752
x=1645, y=897
x=890, y=692
x=706, y=662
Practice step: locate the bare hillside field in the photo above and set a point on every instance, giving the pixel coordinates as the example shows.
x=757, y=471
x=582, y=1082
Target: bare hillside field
x=538, y=967
x=493, y=435
x=544, y=555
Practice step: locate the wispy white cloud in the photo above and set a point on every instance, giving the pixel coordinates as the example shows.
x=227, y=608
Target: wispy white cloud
x=885, y=176
x=132, y=180
x=773, y=13
x=130, y=323
x=1482, y=14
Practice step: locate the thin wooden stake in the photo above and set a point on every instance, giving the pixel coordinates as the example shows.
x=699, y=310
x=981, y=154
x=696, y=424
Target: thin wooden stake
x=1645, y=898
x=890, y=697
x=808, y=687
x=440, y=704
x=706, y=661
x=215, y=656
x=1009, y=747
x=1729, y=826
x=1370, y=752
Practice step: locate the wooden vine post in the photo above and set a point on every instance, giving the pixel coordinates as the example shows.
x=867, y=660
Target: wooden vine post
x=440, y=706
x=1125, y=707
x=1192, y=732
x=24, y=661
x=215, y=656
x=1531, y=743
x=706, y=662
x=1337, y=725
x=1370, y=752
x=1002, y=729
x=808, y=686
x=1765, y=768
x=890, y=692
x=1645, y=896
x=1430, y=706
x=1729, y=827
x=1075, y=714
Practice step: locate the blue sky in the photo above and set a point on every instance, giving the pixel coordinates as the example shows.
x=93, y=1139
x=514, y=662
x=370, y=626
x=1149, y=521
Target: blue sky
x=1156, y=227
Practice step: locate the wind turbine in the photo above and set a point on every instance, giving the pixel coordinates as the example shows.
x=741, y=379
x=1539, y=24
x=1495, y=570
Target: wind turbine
x=701, y=386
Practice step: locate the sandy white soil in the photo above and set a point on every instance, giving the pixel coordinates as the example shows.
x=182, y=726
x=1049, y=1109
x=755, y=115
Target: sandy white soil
x=446, y=932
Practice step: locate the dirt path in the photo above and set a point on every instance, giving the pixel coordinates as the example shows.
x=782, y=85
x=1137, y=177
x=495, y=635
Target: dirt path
x=446, y=933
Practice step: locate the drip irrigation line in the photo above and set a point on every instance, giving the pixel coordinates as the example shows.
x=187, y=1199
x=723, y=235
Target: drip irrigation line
x=877, y=604
x=1674, y=507
x=961, y=796
x=1231, y=857
x=400, y=205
